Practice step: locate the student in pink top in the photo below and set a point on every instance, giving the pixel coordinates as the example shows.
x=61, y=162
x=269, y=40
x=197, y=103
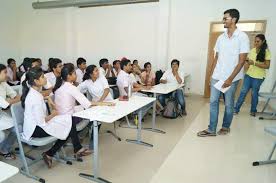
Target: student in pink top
x=66, y=94
x=147, y=76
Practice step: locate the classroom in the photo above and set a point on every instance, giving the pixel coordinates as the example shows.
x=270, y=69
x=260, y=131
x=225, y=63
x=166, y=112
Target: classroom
x=137, y=91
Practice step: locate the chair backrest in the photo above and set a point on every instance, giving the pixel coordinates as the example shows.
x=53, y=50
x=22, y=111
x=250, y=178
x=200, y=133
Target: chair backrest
x=273, y=87
x=17, y=112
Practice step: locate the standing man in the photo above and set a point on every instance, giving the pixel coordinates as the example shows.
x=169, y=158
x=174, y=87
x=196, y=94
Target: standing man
x=231, y=51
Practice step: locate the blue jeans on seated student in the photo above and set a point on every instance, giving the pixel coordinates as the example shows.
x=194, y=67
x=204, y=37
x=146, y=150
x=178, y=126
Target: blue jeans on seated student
x=214, y=106
x=178, y=95
x=6, y=145
x=249, y=83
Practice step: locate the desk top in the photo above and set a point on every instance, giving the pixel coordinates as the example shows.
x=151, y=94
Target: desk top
x=7, y=171
x=164, y=88
x=109, y=114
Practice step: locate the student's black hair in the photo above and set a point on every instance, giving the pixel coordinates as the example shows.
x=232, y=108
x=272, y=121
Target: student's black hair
x=124, y=63
x=27, y=63
x=89, y=70
x=261, y=54
x=33, y=74
x=80, y=61
x=135, y=61
x=53, y=62
x=175, y=61
x=67, y=69
x=115, y=62
x=146, y=64
x=2, y=67
x=234, y=13
x=10, y=60
x=103, y=61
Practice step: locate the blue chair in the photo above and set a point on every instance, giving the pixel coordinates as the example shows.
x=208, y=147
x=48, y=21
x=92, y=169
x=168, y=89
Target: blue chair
x=272, y=131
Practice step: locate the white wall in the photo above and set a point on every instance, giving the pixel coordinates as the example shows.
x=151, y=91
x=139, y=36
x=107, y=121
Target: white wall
x=8, y=31
x=189, y=36
x=156, y=32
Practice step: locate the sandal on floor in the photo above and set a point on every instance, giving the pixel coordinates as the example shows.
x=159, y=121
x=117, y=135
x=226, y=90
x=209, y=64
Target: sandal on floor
x=83, y=152
x=205, y=133
x=8, y=156
x=47, y=160
x=224, y=131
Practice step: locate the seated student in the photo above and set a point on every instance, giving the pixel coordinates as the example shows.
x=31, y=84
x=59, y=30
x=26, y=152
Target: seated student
x=66, y=94
x=26, y=64
x=8, y=97
x=38, y=124
x=55, y=66
x=43, y=67
x=81, y=64
x=124, y=80
x=135, y=74
x=116, y=67
x=106, y=68
x=147, y=76
x=12, y=72
x=96, y=85
x=174, y=75
x=135, y=62
x=34, y=63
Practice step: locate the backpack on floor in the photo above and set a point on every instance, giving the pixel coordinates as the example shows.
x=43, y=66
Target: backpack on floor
x=171, y=109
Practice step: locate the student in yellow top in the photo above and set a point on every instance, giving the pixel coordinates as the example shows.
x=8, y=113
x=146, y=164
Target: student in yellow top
x=257, y=63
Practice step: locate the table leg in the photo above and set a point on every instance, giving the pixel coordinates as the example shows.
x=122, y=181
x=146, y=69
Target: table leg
x=153, y=128
x=139, y=131
x=95, y=177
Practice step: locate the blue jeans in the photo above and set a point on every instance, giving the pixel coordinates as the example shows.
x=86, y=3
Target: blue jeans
x=214, y=106
x=6, y=145
x=249, y=83
x=178, y=95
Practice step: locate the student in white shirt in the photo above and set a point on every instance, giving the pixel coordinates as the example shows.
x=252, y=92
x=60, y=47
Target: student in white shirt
x=34, y=63
x=96, y=85
x=135, y=62
x=55, y=66
x=124, y=80
x=12, y=72
x=38, y=124
x=8, y=97
x=81, y=64
x=43, y=67
x=174, y=76
x=106, y=68
x=231, y=51
x=116, y=67
x=135, y=74
x=66, y=95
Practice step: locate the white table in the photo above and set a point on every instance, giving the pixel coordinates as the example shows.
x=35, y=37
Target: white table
x=107, y=114
x=160, y=89
x=7, y=171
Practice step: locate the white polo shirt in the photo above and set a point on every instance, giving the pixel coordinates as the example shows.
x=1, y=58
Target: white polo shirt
x=96, y=89
x=123, y=80
x=79, y=74
x=228, y=50
x=170, y=78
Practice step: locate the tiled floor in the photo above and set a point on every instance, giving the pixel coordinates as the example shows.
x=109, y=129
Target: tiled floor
x=177, y=156
x=226, y=159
